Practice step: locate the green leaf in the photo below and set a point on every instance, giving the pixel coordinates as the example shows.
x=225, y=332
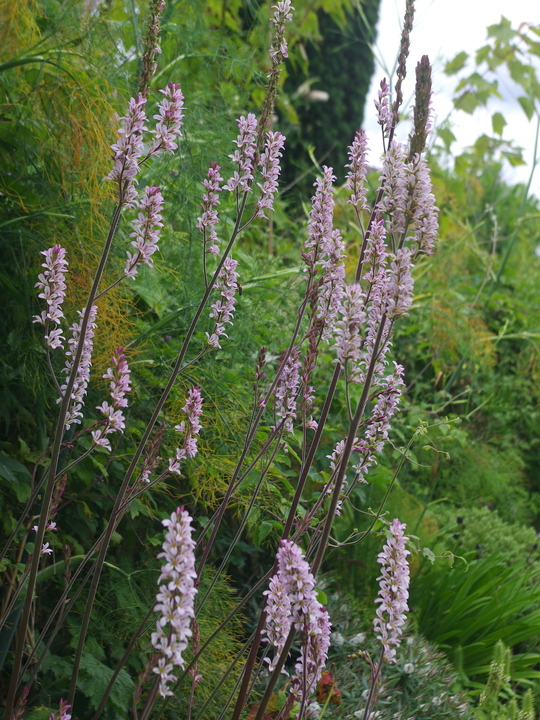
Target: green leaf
x=502, y=31
x=8, y=468
x=527, y=106
x=322, y=598
x=456, y=64
x=468, y=102
x=94, y=679
x=429, y=554
x=263, y=530
x=498, y=123
x=447, y=136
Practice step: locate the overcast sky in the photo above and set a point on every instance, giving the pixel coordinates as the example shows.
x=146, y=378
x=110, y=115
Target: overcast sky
x=443, y=28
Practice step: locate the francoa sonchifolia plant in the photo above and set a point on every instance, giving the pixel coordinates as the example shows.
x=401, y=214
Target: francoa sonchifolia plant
x=355, y=319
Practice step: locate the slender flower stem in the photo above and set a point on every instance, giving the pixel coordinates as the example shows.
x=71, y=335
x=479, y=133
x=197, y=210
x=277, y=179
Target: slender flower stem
x=375, y=673
x=178, y=367
x=250, y=664
x=54, y=462
x=316, y=564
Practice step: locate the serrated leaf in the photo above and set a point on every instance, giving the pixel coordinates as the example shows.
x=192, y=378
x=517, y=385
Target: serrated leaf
x=95, y=677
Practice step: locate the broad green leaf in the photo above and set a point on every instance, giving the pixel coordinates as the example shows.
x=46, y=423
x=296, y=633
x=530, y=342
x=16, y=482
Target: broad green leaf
x=456, y=64
x=498, y=123
x=527, y=106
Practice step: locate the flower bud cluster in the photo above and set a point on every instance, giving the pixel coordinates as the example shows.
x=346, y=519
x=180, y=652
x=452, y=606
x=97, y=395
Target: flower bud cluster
x=147, y=227
x=393, y=591
x=382, y=105
x=82, y=378
x=223, y=310
x=170, y=120
x=270, y=169
x=62, y=713
x=120, y=384
x=189, y=428
x=53, y=291
x=244, y=157
x=207, y=222
x=175, y=600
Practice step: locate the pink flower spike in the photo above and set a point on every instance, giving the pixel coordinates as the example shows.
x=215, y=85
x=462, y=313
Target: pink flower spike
x=147, y=228
x=393, y=591
x=120, y=384
x=52, y=285
x=400, y=284
x=292, y=599
x=62, y=712
x=356, y=177
x=170, y=120
x=82, y=378
x=175, y=600
x=282, y=14
x=270, y=169
x=382, y=105
x=286, y=393
x=207, y=222
x=223, y=310
x=120, y=376
x=128, y=149
x=244, y=157
x=189, y=428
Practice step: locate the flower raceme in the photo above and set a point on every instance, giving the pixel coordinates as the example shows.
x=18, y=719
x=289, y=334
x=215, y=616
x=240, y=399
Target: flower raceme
x=244, y=156
x=170, y=120
x=393, y=590
x=147, y=226
x=270, y=169
x=207, y=222
x=53, y=290
x=292, y=600
x=175, y=600
x=189, y=428
x=119, y=375
x=129, y=148
x=223, y=310
x=82, y=377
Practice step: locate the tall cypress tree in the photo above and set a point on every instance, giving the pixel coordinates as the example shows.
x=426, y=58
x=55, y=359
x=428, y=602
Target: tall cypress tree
x=340, y=64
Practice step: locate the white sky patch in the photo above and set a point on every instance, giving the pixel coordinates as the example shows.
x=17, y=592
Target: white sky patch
x=442, y=29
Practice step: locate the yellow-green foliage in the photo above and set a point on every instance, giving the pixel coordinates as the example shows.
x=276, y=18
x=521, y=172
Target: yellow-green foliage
x=497, y=700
